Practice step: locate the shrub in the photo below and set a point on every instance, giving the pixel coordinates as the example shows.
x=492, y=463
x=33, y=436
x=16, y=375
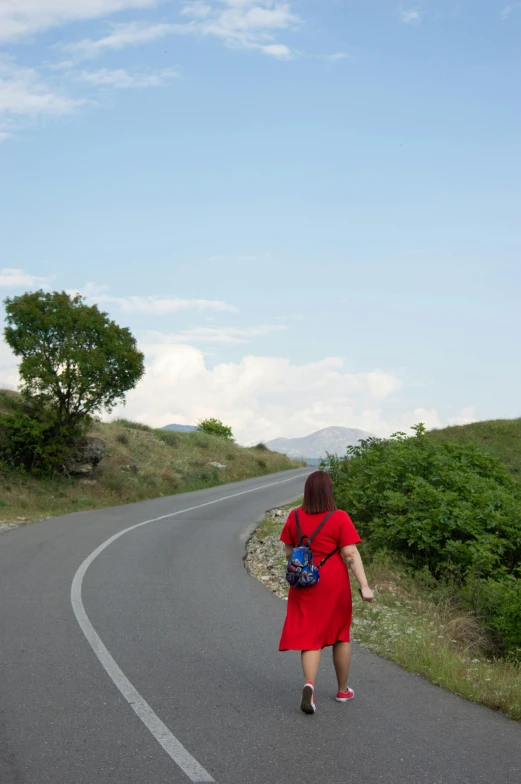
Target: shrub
x=262, y=446
x=208, y=475
x=122, y=438
x=452, y=509
x=169, y=437
x=215, y=427
x=32, y=444
x=497, y=604
x=200, y=439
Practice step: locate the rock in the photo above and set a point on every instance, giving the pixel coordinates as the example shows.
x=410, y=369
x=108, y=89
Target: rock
x=217, y=465
x=87, y=454
x=132, y=468
x=90, y=450
x=80, y=469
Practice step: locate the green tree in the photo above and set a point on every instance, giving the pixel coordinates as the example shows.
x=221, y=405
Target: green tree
x=215, y=427
x=75, y=361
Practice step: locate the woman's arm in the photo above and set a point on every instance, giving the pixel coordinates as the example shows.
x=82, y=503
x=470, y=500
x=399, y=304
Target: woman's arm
x=353, y=560
x=288, y=549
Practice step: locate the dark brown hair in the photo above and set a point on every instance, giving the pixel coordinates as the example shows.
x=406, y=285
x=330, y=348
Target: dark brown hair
x=318, y=493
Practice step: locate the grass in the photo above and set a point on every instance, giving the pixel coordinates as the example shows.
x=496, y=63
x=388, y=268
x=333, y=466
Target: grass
x=140, y=463
x=412, y=624
x=500, y=437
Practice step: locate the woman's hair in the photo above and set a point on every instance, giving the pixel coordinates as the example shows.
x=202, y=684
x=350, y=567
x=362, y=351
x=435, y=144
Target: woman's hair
x=318, y=493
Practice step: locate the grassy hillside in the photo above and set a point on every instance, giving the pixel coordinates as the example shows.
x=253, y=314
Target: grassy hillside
x=500, y=437
x=140, y=463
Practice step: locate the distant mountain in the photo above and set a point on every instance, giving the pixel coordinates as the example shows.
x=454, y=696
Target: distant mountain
x=181, y=428
x=330, y=439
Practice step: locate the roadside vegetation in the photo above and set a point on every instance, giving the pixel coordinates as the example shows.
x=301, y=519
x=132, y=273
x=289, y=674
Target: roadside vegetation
x=450, y=512
x=139, y=463
x=413, y=621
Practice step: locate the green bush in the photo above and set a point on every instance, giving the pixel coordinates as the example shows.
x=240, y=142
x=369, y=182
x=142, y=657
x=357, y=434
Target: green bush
x=31, y=442
x=215, y=427
x=452, y=509
x=200, y=439
x=208, y=475
x=497, y=604
x=21, y=440
x=170, y=437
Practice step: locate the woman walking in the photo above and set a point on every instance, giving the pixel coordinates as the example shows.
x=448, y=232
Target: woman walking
x=320, y=615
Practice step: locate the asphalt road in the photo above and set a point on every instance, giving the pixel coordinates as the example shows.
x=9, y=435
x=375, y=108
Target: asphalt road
x=196, y=637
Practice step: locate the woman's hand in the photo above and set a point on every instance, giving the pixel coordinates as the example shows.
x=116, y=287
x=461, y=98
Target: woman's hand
x=367, y=594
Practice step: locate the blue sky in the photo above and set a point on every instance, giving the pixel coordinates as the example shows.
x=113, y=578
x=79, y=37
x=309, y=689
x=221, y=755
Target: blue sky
x=307, y=211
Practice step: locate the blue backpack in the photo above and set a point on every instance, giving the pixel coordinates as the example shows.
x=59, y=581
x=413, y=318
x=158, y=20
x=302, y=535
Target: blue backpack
x=302, y=571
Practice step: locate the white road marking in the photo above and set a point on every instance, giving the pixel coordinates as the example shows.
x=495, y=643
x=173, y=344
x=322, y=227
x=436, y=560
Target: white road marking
x=175, y=750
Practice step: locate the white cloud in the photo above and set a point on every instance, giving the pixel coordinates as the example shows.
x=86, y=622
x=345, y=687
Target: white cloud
x=122, y=79
x=336, y=57
x=215, y=335
x=160, y=306
x=266, y=397
x=245, y=24
x=151, y=305
x=24, y=94
x=197, y=9
x=410, y=15
x=509, y=9
x=15, y=278
x=261, y=397
x=465, y=417
x=278, y=51
x=20, y=18
x=121, y=35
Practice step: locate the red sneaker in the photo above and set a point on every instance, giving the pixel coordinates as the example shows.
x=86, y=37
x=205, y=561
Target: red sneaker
x=345, y=696
x=307, y=703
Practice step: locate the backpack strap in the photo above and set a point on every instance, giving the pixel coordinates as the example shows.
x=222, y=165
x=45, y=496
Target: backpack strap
x=315, y=532
x=320, y=526
x=299, y=529
x=322, y=562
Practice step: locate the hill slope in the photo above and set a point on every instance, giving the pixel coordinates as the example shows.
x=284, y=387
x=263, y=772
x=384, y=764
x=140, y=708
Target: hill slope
x=330, y=439
x=499, y=437
x=140, y=463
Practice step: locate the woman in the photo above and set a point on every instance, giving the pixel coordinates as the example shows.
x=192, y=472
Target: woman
x=320, y=615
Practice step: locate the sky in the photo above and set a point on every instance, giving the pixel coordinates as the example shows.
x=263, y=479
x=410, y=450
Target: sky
x=307, y=212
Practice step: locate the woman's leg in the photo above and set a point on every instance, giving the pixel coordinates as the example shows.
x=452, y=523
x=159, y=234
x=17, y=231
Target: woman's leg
x=341, y=660
x=310, y=664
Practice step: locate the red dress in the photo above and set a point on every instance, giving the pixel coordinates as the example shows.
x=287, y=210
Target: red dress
x=320, y=615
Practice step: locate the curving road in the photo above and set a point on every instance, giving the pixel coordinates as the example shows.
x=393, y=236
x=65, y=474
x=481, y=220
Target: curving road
x=161, y=665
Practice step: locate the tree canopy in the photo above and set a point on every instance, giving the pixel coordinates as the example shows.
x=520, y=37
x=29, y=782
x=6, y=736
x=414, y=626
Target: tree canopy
x=215, y=427
x=75, y=361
